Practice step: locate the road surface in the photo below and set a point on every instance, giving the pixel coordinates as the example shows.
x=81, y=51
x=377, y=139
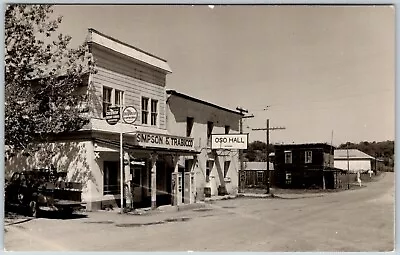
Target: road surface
x=355, y=220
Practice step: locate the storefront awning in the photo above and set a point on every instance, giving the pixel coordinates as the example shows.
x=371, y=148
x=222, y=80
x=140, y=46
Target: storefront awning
x=110, y=145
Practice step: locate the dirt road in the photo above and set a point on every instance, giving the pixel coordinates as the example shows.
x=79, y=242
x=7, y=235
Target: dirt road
x=355, y=220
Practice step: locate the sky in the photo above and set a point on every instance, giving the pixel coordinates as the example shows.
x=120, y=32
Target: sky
x=315, y=70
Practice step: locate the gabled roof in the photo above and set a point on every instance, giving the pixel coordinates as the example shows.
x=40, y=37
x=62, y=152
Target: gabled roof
x=353, y=154
x=175, y=93
x=128, y=50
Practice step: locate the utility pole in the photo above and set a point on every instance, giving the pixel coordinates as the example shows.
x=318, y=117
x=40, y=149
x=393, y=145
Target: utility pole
x=267, y=129
x=348, y=167
x=241, y=172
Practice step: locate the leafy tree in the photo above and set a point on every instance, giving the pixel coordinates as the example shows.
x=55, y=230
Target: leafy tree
x=383, y=150
x=43, y=77
x=257, y=151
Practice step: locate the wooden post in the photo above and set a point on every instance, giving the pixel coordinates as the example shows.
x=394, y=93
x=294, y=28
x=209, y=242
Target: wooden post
x=153, y=181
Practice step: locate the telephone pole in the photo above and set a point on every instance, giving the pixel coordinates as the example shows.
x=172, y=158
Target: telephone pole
x=267, y=129
x=241, y=172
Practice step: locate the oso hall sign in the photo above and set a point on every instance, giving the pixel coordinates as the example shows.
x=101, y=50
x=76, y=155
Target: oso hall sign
x=229, y=141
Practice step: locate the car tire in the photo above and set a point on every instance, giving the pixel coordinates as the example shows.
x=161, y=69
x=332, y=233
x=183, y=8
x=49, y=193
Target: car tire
x=33, y=209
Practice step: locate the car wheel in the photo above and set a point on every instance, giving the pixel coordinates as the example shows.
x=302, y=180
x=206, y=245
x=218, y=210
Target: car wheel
x=33, y=209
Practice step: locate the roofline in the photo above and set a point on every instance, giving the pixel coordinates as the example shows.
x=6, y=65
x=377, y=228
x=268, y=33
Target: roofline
x=304, y=144
x=175, y=93
x=92, y=30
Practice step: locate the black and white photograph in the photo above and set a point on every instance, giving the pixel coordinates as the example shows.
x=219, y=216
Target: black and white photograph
x=199, y=128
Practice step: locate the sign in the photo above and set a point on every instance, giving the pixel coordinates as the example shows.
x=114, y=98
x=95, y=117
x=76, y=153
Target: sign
x=129, y=114
x=113, y=115
x=229, y=141
x=163, y=141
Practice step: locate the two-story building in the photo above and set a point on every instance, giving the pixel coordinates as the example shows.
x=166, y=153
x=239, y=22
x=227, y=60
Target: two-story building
x=133, y=82
x=215, y=170
x=305, y=166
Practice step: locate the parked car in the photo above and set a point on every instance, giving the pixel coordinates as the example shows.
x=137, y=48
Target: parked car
x=43, y=190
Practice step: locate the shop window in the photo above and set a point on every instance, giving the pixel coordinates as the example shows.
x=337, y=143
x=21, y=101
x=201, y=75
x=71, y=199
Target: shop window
x=308, y=157
x=210, y=126
x=288, y=157
x=154, y=112
x=226, y=167
x=111, y=185
x=209, y=166
x=188, y=165
x=227, y=129
x=145, y=110
x=106, y=99
x=189, y=126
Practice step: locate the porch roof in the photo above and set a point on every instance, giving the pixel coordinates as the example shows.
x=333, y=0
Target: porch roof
x=113, y=145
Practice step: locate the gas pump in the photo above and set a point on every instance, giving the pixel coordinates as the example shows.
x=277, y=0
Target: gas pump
x=176, y=182
x=189, y=188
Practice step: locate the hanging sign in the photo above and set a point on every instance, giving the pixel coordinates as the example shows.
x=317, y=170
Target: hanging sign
x=229, y=141
x=113, y=115
x=129, y=114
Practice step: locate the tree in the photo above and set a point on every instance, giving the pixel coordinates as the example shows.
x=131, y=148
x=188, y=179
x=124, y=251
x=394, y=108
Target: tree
x=257, y=151
x=43, y=77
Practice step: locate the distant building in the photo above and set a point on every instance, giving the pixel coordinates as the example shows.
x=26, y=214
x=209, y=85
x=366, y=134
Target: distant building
x=305, y=166
x=256, y=174
x=354, y=161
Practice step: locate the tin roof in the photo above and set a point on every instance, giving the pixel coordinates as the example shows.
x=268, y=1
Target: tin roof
x=353, y=154
x=175, y=93
x=258, y=166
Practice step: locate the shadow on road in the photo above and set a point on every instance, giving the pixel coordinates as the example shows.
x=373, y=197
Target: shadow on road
x=17, y=216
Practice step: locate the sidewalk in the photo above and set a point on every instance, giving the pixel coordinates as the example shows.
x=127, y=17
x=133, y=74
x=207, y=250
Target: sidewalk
x=146, y=216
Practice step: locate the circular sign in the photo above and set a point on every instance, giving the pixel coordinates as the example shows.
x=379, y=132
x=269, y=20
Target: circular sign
x=129, y=114
x=113, y=115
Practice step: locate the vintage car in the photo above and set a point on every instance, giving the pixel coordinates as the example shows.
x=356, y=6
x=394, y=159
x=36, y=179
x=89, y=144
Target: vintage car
x=42, y=190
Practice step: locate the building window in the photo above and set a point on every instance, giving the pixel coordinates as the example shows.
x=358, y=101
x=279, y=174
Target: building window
x=227, y=129
x=288, y=178
x=119, y=98
x=209, y=166
x=260, y=177
x=111, y=178
x=106, y=99
x=154, y=112
x=288, y=157
x=226, y=167
x=210, y=126
x=145, y=110
x=189, y=126
x=308, y=157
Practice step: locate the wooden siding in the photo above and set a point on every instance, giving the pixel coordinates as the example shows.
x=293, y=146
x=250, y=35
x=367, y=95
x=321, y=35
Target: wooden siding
x=134, y=79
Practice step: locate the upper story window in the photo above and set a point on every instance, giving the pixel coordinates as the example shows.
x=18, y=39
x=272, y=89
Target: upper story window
x=145, y=110
x=119, y=98
x=189, y=126
x=288, y=157
x=154, y=112
x=227, y=129
x=112, y=97
x=149, y=110
x=308, y=157
x=106, y=99
x=210, y=126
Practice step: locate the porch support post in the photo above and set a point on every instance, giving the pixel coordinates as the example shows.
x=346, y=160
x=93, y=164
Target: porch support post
x=176, y=183
x=153, y=181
